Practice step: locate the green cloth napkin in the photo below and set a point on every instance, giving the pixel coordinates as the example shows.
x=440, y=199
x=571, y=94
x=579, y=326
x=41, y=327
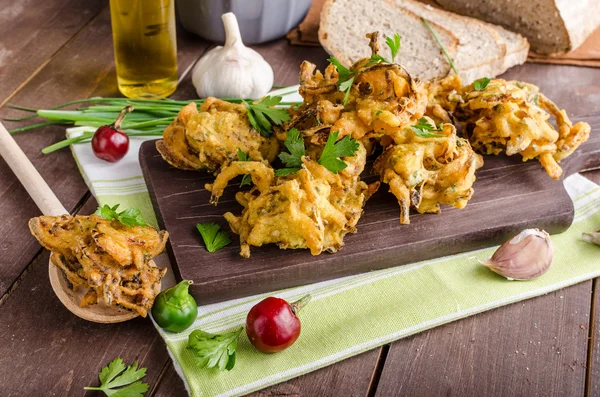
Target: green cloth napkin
x=354, y=314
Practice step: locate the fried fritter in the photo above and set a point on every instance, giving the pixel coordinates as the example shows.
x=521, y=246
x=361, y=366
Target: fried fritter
x=113, y=261
x=210, y=138
x=425, y=172
x=512, y=117
x=383, y=99
x=312, y=208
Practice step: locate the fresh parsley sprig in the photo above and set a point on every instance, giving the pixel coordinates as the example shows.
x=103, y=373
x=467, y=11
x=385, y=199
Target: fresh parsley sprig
x=214, y=238
x=346, y=76
x=212, y=350
x=334, y=149
x=481, y=83
x=423, y=129
x=264, y=114
x=246, y=179
x=115, y=375
x=130, y=217
x=330, y=157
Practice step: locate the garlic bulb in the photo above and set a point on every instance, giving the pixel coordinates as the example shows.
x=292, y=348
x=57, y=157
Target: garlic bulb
x=592, y=237
x=234, y=70
x=526, y=256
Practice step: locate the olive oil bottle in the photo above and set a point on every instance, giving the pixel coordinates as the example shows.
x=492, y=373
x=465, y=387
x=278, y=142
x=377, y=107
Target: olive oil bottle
x=145, y=47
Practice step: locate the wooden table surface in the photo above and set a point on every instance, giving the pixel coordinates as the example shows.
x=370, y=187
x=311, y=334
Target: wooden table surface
x=60, y=50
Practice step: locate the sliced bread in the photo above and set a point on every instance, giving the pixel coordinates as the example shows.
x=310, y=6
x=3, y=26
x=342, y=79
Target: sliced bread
x=344, y=24
x=551, y=26
x=478, y=49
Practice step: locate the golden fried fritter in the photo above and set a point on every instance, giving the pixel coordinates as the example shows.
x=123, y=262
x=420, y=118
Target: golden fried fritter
x=113, y=261
x=383, y=99
x=512, y=117
x=312, y=208
x=210, y=138
x=425, y=172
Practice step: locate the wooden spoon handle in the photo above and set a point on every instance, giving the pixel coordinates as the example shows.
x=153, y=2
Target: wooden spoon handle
x=33, y=182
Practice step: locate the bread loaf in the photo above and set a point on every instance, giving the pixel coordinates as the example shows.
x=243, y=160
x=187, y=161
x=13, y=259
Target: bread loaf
x=551, y=26
x=478, y=49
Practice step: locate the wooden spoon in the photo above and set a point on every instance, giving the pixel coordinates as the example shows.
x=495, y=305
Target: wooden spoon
x=49, y=204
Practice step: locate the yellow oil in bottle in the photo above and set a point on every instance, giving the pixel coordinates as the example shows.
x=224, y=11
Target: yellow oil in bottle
x=145, y=47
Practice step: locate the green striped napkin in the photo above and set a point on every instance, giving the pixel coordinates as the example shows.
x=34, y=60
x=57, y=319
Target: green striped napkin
x=351, y=315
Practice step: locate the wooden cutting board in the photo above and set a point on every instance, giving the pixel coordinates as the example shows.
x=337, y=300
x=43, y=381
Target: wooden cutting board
x=509, y=196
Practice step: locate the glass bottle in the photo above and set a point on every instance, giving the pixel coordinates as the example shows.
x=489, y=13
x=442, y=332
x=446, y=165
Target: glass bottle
x=145, y=47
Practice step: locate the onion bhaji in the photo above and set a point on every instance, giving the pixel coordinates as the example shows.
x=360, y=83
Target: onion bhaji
x=511, y=117
x=111, y=260
x=312, y=208
x=210, y=138
x=382, y=100
x=425, y=172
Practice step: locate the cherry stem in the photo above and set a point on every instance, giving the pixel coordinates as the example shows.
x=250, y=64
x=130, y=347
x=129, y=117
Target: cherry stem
x=300, y=303
x=117, y=124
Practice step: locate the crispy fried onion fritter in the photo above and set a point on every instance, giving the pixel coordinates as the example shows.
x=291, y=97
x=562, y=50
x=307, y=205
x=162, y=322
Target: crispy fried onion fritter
x=383, y=98
x=111, y=260
x=425, y=172
x=210, y=138
x=313, y=208
x=512, y=117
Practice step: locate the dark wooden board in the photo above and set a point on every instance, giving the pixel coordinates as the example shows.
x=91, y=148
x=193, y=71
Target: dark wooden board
x=509, y=196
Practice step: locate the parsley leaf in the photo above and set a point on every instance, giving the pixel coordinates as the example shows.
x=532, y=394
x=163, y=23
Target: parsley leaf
x=295, y=144
x=345, y=78
x=394, y=44
x=422, y=129
x=212, y=350
x=115, y=375
x=334, y=150
x=246, y=179
x=264, y=114
x=214, y=238
x=286, y=171
x=130, y=217
x=481, y=83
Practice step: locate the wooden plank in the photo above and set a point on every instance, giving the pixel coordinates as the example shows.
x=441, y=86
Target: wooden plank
x=510, y=195
x=32, y=33
x=351, y=377
x=532, y=348
x=82, y=69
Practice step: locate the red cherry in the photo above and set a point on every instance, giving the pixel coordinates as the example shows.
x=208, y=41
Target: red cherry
x=109, y=143
x=272, y=324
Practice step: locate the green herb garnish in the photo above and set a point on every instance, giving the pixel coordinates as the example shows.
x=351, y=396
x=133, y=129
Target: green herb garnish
x=423, y=129
x=329, y=158
x=263, y=115
x=130, y=217
x=214, y=238
x=394, y=44
x=115, y=375
x=481, y=83
x=212, y=350
x=440, y=44
x=246, y=179
x=334, y=149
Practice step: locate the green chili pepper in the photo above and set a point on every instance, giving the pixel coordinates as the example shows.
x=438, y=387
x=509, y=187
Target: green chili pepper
x=175, y=309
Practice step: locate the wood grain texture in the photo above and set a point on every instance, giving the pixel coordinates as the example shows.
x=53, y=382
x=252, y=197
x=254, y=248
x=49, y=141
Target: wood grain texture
x=82, y=69
x=33, y=31
x=509, y=196
x=532, y=348
x=348, y=378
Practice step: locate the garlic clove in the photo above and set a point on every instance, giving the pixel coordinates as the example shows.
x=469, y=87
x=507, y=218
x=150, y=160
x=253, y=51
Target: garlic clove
x=232, y=70
x=592, y=237
x=526, y=256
